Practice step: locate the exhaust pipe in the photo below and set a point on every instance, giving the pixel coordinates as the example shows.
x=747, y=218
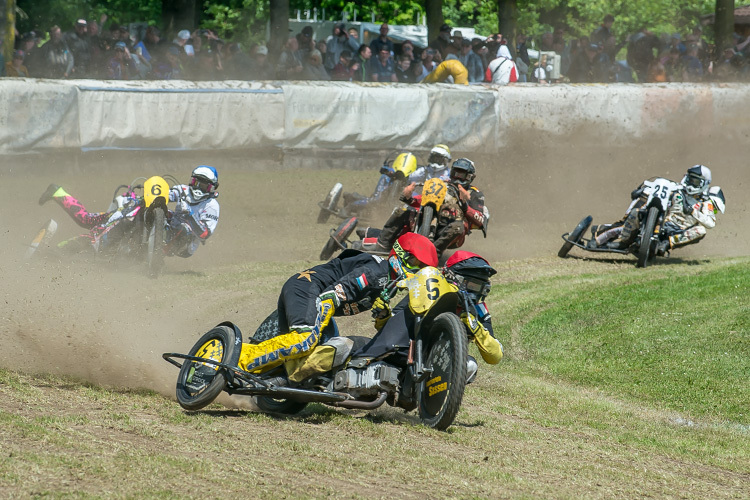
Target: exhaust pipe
x=362, y=405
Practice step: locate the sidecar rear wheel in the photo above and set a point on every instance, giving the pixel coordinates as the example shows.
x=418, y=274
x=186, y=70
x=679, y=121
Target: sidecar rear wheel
x=284, y=406
x=440, y=395
x=575, y=236
x=338, y=238
x=330, y=203
x=198, y=384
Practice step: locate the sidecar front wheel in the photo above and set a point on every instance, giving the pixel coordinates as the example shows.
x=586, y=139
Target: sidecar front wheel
x=440, y=395
x=199, y=384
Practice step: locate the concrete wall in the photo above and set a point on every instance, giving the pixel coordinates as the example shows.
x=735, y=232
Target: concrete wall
x=46, y=115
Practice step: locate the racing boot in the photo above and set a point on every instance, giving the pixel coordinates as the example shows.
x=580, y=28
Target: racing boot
x=52, y=190
x=663, y=248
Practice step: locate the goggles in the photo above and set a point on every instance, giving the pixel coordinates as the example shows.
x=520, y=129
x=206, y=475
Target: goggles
x=695, y=181
x=460, y=175
x=478, y=288
x=202, y=184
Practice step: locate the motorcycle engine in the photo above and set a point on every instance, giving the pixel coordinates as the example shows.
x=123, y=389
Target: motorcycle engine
x=368, y=381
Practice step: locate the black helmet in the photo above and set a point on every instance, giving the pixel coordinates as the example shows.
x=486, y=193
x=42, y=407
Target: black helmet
x=463, y=172
x=470, y=271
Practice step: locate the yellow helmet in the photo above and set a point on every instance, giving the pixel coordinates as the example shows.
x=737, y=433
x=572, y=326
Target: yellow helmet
x=404, y=165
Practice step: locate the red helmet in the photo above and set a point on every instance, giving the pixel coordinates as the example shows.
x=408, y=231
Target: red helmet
x=471, y=272
x=410, y=253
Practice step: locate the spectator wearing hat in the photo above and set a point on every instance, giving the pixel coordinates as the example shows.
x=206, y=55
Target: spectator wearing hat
x=441, y=43
x=260, y=69
x=336, y=44
x=181, y=42
x=305, y=42
x=56, y=60
x=591, y=65
x=471, y=61
x=120, y=66
x=170, y=68
x=502, y=70
x=382, y=41
x=15, y=67
x=78, y=43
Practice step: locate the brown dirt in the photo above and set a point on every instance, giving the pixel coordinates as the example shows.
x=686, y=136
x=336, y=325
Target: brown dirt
x=108, y=326
x=536, y=191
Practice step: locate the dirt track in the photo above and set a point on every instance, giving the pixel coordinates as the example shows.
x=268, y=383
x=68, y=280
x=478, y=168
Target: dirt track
x=67, y=317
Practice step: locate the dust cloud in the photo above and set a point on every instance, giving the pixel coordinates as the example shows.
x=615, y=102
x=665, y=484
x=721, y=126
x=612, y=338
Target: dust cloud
x=74, y=316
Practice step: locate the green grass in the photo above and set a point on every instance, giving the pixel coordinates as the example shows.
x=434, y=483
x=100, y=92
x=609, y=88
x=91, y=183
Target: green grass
x=677, y=342
x=617, y=382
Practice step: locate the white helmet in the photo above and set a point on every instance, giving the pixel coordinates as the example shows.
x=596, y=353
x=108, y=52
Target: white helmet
x=440, y=154
x=203, y=182
x=717, y=198
x=696, y=180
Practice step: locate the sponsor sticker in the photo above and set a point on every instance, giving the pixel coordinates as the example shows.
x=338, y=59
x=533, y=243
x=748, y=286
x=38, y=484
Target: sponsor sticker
x=361, y=281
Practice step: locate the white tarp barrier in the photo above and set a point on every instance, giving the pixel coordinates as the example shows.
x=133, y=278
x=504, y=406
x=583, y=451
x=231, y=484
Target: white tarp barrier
x=180, y=115
x=387, y=115
x=38, y=115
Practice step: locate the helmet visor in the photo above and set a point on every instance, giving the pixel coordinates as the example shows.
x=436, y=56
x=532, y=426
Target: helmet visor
x=479, y=289
x=694, y=180
x=459, y=175
x=201, y=184
x=411, y=263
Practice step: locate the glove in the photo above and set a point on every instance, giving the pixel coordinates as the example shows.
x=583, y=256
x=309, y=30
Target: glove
x=182, y=207
x=471, y=323
x=380, y=309
x=116, y=215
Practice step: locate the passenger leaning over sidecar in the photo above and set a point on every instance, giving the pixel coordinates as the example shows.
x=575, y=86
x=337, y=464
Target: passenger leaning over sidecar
x=461, y=211
x=346, y=285
x=195, y=218
x=691, y=211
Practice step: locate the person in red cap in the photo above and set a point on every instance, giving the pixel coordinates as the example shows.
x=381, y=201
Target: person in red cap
x=471, y=274
x=348, y=284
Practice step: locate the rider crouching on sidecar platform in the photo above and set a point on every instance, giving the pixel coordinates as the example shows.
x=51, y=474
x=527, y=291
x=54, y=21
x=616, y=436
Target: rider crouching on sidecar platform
x=692, y=210
x=469, y=272
x=394, y=175
x=462, y=210
x=192, y=222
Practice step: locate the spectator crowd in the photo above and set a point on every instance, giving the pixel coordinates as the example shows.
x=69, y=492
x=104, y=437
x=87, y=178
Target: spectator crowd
x=88, y=51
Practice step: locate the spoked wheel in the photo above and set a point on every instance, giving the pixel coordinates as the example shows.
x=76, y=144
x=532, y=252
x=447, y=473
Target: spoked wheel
x=269, y=329
x=155, y=243
x=337, y=239
x=198, y=384
x=644, y=248
x=440, y=395
x=330, y=203
x=575, y=236
x=424, y=227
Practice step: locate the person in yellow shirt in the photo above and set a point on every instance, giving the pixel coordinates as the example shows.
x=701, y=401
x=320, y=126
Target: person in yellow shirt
x=15, y=66
x=451, y=67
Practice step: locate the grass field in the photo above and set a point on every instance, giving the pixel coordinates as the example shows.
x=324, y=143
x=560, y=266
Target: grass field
x=617, y=383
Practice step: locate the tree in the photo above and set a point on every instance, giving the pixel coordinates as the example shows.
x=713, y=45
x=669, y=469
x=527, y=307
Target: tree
x=7, y=27
x=723, y=24
x=434, y=15
x=507, y=21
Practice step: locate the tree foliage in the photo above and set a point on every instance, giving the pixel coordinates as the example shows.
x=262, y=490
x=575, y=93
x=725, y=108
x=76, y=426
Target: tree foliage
x=245, y=20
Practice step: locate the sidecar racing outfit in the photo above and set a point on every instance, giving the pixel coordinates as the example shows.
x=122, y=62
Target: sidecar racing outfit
x=346, y=285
